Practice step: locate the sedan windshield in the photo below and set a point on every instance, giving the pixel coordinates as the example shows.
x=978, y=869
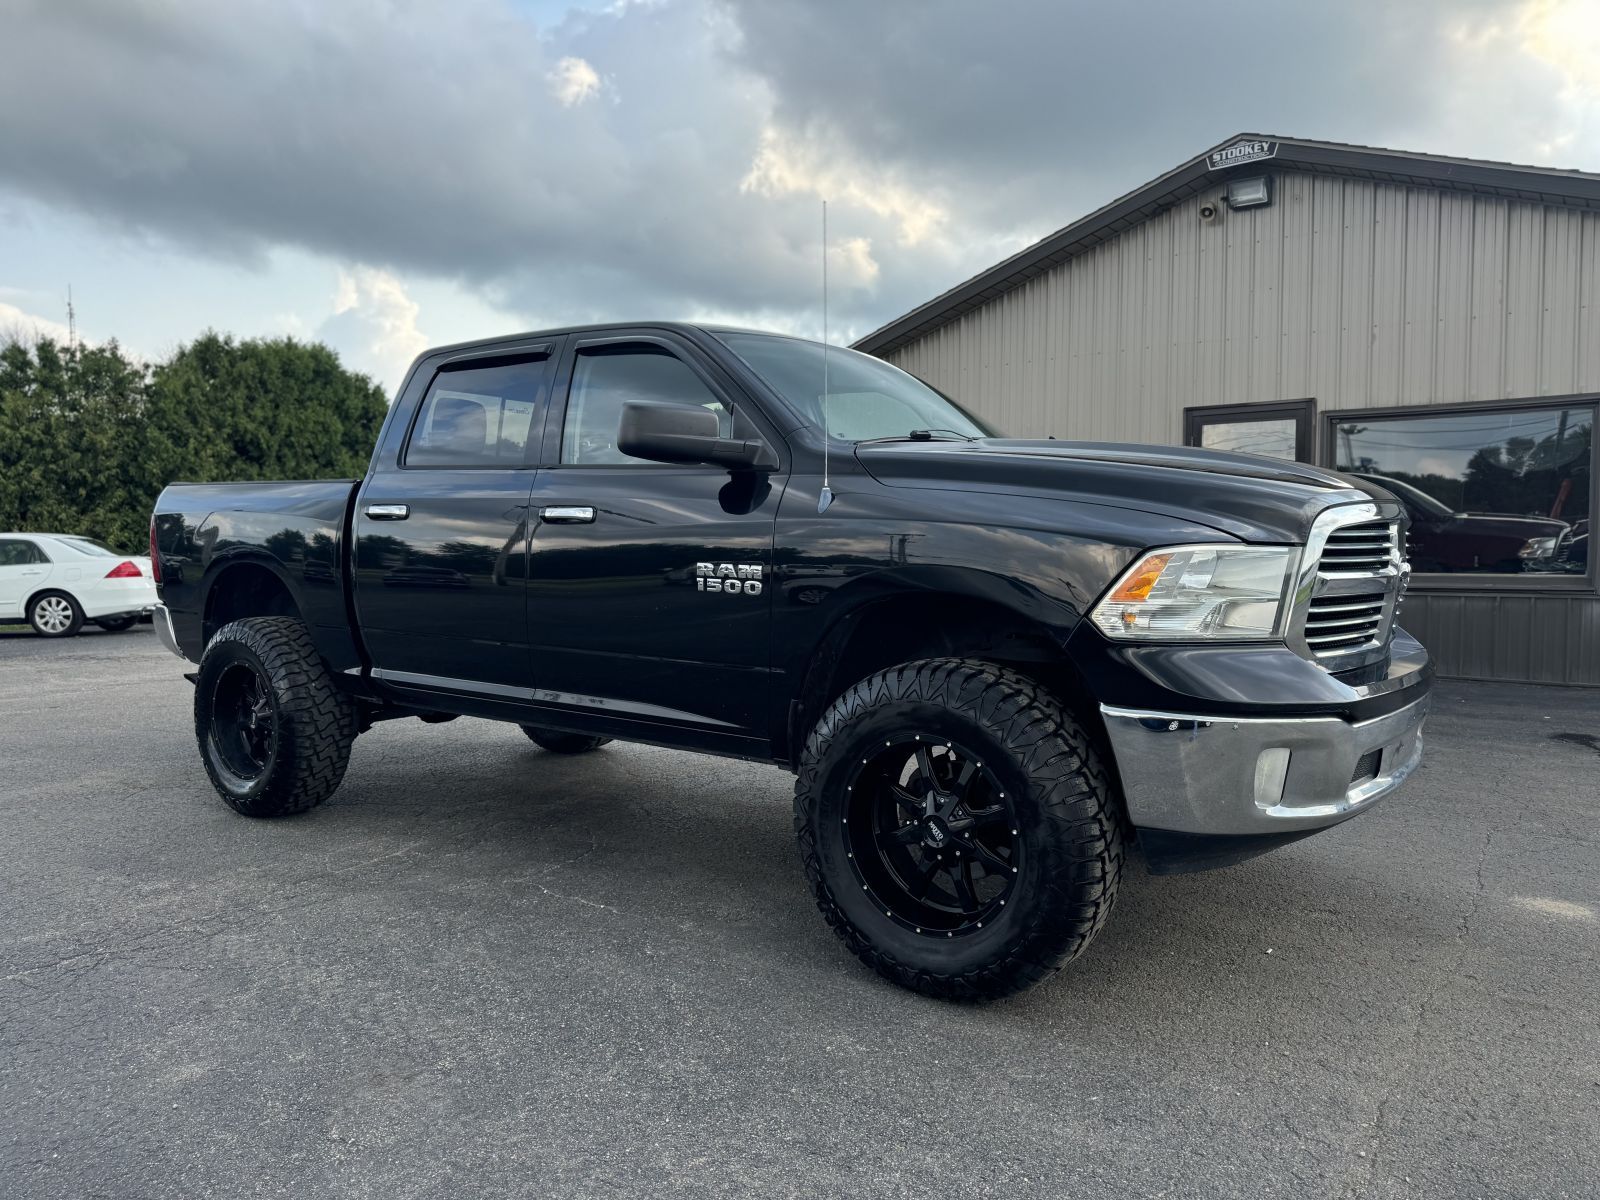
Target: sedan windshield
x=867, y=398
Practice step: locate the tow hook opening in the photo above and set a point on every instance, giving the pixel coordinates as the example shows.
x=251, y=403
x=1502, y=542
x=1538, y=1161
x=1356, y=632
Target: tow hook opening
x=1272, y=770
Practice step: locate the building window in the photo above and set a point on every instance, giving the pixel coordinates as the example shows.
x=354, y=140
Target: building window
x=1276, y=430
x=1488, y=493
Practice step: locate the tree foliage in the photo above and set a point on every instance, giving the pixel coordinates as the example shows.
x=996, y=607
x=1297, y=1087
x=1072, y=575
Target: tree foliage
x=89, y=437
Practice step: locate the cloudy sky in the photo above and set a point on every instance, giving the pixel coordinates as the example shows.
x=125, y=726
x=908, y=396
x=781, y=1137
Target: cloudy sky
x=389, y=174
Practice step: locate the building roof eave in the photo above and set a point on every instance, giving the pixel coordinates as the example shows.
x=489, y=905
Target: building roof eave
x=1537, y=184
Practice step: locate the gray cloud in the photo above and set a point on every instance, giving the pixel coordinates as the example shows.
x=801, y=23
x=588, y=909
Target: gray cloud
x=446, y=139
x=1036, y=111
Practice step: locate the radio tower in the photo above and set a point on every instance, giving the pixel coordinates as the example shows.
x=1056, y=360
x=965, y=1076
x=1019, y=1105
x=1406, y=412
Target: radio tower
x=72, y=322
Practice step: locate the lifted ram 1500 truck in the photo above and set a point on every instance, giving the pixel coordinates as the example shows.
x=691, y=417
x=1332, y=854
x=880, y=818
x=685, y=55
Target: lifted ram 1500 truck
x=994, y=665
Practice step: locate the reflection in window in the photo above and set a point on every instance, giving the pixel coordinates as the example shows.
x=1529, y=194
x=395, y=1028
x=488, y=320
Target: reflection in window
x=1487, y=492
x=1275, y=438
x=867, y=398
x=604, y=380
x=477, y=417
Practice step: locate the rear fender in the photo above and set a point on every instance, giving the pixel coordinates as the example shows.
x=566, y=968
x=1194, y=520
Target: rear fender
x=302, y=553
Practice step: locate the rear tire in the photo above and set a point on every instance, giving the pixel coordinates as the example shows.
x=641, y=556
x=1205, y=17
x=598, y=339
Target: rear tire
x=116, y=624
x=557, y=741
x=957, y=828
x=274, y=731
x=55, y=614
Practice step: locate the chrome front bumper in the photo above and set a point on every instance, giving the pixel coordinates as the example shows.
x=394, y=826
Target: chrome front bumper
x=1254, y=775
x=162, y=620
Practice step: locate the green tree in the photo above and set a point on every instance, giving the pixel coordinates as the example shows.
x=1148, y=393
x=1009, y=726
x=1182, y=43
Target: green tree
x=89, y=437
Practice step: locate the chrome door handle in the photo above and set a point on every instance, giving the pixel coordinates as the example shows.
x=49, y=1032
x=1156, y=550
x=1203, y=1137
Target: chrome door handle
x=567, y=514
x=388, y=512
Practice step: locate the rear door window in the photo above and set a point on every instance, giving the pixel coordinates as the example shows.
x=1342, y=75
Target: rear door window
x=14, y=552
x=478, y=416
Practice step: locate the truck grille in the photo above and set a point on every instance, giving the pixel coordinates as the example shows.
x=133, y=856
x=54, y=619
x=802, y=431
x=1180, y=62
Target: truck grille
x=1346, y=614
x=1366, y=548
x=1339, y=623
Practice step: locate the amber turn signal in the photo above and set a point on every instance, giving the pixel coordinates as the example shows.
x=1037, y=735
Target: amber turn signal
x=1136, y=587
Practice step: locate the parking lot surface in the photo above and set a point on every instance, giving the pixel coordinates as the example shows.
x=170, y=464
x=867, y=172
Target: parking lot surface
x=486, y=970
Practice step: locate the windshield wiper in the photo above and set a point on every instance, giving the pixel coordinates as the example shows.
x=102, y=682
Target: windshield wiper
x=921, y=435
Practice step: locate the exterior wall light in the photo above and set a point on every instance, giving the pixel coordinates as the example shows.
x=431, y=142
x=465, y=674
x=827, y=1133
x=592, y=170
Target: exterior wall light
x=1249, y=193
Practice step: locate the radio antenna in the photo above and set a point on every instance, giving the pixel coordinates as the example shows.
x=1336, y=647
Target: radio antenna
x=825, y=497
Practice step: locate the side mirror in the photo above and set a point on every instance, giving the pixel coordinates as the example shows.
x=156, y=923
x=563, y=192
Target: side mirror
x=686, y=433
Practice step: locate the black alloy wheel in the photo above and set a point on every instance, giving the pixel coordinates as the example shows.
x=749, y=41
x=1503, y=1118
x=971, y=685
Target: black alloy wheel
x=931, y=835
x=244, y=722
x=958, y=827
x=273, y=727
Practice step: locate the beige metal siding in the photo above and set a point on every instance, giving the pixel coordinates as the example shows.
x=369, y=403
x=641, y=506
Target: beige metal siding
x=1522, y=638
x=1359, y=294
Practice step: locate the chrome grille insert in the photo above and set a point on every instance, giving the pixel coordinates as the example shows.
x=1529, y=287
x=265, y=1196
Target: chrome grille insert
x=1352, y=577
x=1364, y=548
x=1335, y=623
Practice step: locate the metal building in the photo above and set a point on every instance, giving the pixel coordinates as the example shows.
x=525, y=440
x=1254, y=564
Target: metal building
x=1432, y=323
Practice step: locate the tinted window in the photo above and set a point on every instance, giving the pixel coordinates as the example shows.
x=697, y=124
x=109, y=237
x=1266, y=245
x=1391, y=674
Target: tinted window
x=604, y=380
x=477, y=416
x=1487, y=492
x=16, y=553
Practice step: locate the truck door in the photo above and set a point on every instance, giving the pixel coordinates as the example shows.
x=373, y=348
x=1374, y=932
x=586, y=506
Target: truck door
x=441, y=525
x=649, y=594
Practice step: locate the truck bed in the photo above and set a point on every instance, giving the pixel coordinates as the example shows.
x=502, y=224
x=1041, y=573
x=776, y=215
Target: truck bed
x=291, y=530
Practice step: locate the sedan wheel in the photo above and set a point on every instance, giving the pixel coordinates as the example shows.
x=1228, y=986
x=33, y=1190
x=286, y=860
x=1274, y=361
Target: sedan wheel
x=55, y=614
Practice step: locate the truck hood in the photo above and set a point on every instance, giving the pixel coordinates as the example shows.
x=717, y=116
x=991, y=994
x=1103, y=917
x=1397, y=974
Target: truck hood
x=1250, y=497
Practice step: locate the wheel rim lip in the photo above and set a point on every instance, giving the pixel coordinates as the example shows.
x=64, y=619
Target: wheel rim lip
x=53, y=614
x=238, y=687
x=892, y=907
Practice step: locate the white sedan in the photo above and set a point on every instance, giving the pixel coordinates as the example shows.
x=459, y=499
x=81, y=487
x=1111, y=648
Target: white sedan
x=57, y=581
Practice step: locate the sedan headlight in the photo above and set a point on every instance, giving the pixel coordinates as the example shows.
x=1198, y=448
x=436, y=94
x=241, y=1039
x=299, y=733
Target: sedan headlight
x=1200, y=593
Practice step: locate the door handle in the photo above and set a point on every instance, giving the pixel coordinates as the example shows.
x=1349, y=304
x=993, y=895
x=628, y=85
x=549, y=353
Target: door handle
x=388, y=512
x=567, y=514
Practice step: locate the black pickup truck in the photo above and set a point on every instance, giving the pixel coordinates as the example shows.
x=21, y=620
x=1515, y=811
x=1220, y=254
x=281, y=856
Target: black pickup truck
x=994, y=665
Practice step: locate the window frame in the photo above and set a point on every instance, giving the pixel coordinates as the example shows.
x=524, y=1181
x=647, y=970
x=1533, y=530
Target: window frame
x=732, y=399
x=1467, y=582
x=544, y=353
x=1303, y=412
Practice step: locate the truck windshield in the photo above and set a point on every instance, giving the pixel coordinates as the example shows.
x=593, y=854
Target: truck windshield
x=867, y=398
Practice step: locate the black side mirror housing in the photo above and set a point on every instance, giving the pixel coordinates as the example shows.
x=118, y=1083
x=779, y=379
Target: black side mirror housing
x=687, y=433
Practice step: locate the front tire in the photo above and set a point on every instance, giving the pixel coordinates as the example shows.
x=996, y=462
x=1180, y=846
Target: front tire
x=55, y=614
x=274, y=731
x=958, y=828
x=116, y=624
x=557, y=741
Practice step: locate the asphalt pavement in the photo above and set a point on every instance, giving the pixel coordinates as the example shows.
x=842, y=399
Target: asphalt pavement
x=484, y=970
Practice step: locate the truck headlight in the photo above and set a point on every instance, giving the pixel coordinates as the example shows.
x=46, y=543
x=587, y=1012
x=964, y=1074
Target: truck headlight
x=1544, y=547
x=1200, y=593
